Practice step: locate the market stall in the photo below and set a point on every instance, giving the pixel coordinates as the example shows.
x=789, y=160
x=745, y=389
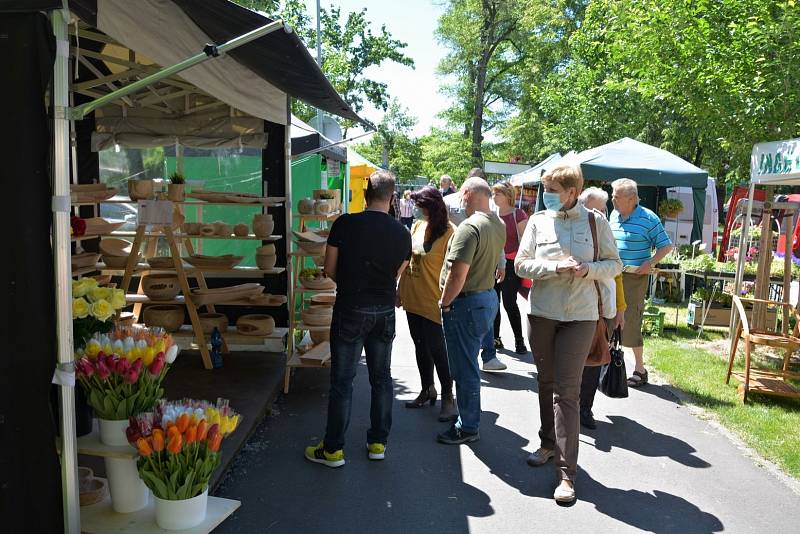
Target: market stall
x=359, y=170
x=143, y=91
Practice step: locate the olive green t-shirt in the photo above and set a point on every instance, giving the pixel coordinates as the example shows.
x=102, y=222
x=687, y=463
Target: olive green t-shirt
x=477, y=242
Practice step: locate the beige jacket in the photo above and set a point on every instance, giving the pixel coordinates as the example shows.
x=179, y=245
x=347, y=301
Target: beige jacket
x=554, y=236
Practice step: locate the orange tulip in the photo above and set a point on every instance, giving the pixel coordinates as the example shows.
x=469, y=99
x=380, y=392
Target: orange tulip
x=158, y=440
x=190, y=435
x=182, y=422
x=202, y=430
x=215, y=442
x=144, y=447
x=172, y=431
x=175, y=444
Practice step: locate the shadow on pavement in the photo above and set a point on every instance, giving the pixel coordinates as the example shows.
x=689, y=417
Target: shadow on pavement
x=651, y=512
x=625, y=433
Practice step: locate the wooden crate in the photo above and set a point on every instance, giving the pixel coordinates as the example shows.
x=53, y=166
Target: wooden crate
x=719, y=315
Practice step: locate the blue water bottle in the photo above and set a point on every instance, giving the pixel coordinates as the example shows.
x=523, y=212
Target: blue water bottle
x=216, y=349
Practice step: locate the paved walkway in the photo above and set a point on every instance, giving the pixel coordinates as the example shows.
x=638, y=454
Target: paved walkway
x=650, y=466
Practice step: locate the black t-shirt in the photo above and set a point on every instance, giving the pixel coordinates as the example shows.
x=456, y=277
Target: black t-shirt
x=372, y=247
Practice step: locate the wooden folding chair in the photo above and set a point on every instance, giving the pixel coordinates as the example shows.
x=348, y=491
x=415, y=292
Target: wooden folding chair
x=765, y=380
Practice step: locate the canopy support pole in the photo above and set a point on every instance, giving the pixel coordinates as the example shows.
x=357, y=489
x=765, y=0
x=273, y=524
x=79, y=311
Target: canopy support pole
x=209, y=52
x=63, y=271
x=737, y=283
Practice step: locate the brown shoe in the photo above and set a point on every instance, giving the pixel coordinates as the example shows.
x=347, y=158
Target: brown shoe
x=637, y=379
x=540, y=457
x=426, y=395
x=449, y=411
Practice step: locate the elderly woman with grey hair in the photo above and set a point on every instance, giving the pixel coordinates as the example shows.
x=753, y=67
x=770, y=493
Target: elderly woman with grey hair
x=594, y=198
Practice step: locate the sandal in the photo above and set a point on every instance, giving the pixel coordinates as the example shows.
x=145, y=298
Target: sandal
x=637, y=380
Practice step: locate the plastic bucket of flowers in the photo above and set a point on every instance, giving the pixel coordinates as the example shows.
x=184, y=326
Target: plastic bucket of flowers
x=178, y=452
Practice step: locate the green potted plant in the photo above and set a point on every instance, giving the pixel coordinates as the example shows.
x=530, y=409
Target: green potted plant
x=176, y=191
x=669, y=208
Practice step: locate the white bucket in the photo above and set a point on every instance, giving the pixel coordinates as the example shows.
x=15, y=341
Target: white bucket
x=113, y=432
x=183, y=514
x=128, y=492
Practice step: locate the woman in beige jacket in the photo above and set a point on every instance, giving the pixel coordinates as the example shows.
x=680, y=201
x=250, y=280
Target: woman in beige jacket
x=557, y=251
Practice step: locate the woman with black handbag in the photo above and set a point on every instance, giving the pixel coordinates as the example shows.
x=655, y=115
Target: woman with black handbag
x=571, y=254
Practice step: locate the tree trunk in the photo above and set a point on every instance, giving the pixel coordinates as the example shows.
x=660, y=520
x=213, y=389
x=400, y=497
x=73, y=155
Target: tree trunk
x=477, y=116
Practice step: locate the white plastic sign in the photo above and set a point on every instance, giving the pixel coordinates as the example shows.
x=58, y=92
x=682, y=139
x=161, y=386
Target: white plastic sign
x=155, y=212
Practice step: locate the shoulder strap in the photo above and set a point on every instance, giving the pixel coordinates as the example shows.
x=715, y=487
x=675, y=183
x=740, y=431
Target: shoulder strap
x=593, y=227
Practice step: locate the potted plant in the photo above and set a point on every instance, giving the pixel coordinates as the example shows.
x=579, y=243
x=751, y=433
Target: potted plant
x=176, y=190
x=121, y=374
x=178, y=448
x=670, y=208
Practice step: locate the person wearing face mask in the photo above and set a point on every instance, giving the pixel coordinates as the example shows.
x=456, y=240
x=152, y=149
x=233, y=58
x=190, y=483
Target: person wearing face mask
x=557, y=251
x=419, y=295
x=469, y=303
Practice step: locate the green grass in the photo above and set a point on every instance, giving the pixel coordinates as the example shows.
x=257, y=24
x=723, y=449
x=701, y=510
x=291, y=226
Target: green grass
x=769, y=425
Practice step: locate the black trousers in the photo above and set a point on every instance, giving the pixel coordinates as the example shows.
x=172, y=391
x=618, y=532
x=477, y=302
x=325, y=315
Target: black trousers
x=431, y=351
x=507, y=292
x=589, y=383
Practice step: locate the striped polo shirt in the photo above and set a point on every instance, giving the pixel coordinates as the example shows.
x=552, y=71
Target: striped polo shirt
x=637, y=235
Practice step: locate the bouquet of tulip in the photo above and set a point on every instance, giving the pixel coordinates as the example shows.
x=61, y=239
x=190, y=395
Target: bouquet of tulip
x=122, y=372
x=92, y=307
x=179, y=445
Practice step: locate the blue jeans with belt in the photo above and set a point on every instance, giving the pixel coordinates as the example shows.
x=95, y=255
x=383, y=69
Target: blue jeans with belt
x=353, y=329
x=467, y=323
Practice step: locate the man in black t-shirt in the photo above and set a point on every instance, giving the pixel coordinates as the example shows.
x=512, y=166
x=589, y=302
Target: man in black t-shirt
x=365, y=255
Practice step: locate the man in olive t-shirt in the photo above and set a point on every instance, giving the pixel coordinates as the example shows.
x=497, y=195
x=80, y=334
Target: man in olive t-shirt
x=469, y=303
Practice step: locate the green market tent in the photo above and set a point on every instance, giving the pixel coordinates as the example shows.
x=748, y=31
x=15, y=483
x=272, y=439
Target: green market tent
x=646, y=165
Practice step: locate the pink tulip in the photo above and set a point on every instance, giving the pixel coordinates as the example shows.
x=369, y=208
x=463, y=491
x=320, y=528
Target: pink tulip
x=101, y=355
x=84, y=367
x=157, y=365
x=132, y=433
x=102, y=370
x=137, y=365
x=212, y=431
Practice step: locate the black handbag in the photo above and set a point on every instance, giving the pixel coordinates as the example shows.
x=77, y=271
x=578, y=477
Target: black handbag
x=614, y=377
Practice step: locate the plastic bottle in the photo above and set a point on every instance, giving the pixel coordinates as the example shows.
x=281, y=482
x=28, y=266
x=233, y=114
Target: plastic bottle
x=216, y=349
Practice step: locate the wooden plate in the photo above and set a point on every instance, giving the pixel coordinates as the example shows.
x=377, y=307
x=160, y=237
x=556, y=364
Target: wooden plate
x=161, y=262
x=203, y=297
x=243, y=198
x=87, y=259
x=318, y=283
x=97, y=195
x=101, y=226
x=227, y=261
x=115, y=247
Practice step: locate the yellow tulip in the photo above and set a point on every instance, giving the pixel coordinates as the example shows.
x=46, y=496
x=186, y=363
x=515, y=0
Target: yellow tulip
x=80, y=308
x=148, y=355
x=93, y=348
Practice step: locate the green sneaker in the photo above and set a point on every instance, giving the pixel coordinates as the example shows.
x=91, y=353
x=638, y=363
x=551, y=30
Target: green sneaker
x=376, y=451
x=319, y=455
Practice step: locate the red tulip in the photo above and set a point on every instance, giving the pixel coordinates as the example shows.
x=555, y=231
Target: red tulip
x=123, y=365
x=137, y=365
x=133, y=434
x=84, y=367
x=157, y=365
x=131, y=376
x=101, y=354
x=213, y=444
x=102, y=370
x=213, y=431
x=78, y=225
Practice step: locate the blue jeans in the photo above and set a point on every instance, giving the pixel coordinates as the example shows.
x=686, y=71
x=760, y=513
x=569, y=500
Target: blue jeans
x=353, y=329
x=468, y=322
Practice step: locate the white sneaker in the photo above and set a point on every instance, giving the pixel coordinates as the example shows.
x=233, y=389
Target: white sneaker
x=494, y=365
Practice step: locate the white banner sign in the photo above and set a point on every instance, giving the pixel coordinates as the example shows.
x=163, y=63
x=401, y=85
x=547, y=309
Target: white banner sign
x=333, y=168
x=776, y=161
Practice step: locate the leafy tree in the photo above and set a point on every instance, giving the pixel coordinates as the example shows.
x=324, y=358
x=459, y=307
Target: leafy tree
x=393, y=144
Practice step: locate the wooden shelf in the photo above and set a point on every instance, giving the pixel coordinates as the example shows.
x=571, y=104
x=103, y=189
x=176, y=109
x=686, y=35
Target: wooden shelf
x=301, y=289
x=86, y=237
x=233, y=337
x=301, y=254
x=101, y=518
x=238, y=272
x=295, y=361
x=302, y=326
x=84, y=270
x=90, y=445
x=317, y=217
x=250, y=237
x=271, y=202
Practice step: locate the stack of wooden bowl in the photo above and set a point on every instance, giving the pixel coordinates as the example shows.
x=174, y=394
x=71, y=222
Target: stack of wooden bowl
x=317, y=315
x=266, y=257
x=115, y=252
x=167, y=316
x=161, y=286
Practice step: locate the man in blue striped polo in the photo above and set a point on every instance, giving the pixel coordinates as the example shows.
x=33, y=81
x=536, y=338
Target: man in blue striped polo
x=638, y=232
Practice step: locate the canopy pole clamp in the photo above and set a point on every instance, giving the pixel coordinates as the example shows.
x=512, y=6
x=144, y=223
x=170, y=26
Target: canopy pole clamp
x=211, y=50
x=62, y=204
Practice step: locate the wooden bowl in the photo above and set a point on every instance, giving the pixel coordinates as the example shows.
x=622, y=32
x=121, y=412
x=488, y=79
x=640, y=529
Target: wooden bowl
x=112, y=246
x=266, y=262
x=223, y=229
x=161, y=262
x=266, y=250
x=87, y=259
x=318, y=336
x=167, y=316
x=320, y=284
x=315, y=249
x=191, y=228
x=255, y=325
x=207, y=229
x=85, y=477
x=241, y=230
x=161, y=286
x=209, y=321
x=317, y=315
x=140, y=189
x=324, y=298
x=94, y=492
x=115, y=262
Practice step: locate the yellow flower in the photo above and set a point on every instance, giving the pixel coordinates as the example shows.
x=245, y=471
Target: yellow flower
x=101, y=293
x=102, y=310
x=83, y=286
x=80, y=308
x=93, y=348
x=118, y=299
